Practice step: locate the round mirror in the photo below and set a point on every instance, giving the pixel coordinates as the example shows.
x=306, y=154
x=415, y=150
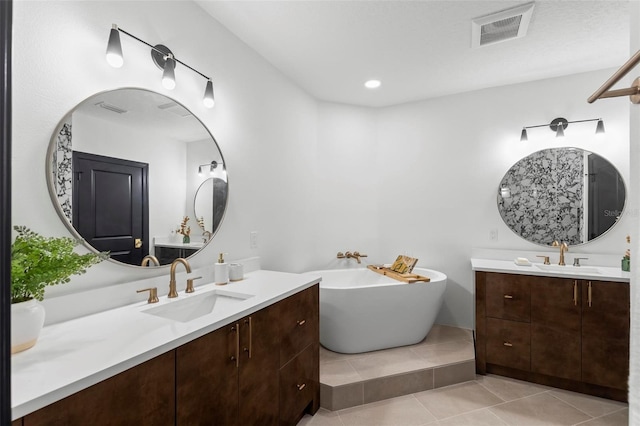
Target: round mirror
x=124, y=167
x=563, y=194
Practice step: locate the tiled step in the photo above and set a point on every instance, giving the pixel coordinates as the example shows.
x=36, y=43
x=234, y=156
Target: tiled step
x=445, y=357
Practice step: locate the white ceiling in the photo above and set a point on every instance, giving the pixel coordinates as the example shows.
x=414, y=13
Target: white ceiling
x=421, y=49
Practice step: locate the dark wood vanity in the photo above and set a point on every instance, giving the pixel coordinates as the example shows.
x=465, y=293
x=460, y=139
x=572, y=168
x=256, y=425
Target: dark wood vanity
x=563, y=332
x=262, y=369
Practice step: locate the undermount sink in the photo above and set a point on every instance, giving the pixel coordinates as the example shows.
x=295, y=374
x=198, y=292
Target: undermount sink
x=188, y=308
x=569, y=269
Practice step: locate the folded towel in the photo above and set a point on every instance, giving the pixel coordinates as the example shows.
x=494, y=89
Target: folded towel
x=522, y=261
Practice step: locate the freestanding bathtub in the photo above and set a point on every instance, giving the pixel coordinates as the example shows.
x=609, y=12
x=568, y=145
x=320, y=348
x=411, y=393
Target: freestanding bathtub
x=362, y=311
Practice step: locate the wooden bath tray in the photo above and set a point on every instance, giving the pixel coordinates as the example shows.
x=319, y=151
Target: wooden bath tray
x=406, y=277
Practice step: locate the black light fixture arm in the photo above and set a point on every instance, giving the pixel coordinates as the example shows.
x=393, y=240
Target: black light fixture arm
x=161, y=52
x=564, y=122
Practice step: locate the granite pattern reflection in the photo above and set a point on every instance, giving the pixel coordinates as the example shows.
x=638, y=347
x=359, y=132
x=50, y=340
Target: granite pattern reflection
x=545, y=200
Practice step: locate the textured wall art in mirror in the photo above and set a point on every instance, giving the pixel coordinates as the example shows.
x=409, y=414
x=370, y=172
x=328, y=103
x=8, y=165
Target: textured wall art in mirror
x=123, y=171
x=564, y=194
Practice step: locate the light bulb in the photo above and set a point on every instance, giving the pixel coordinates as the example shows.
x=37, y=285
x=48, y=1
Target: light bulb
x=208, y=99
x=114, y=48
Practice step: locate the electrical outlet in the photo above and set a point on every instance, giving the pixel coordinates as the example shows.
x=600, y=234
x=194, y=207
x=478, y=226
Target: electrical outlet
x=253, y=239
x=493, y=234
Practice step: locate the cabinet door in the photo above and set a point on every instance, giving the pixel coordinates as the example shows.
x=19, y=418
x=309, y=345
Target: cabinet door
x=299, y=323
x=142, y=395
x=297, y=384
x=605, y=333
x=508, y=297
x=258, y=381
x=509, y=343
x=555, y=327
x=207, y=379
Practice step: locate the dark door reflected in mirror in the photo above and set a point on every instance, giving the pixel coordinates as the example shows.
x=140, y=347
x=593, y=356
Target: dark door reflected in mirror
x=124, y=167
x=564, y=194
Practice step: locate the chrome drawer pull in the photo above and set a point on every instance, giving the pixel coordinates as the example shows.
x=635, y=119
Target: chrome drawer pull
x=301, y=322
x=508, y=296
x=508, y=344
x=302, y=386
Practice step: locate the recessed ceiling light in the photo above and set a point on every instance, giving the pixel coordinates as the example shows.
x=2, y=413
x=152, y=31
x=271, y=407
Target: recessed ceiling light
x=372, y=84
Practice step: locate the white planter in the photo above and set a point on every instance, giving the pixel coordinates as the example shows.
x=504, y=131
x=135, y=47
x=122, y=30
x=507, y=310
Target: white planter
x=27, y=319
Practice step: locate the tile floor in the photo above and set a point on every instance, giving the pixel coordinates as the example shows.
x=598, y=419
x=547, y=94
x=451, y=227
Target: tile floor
x=487, y=400
x=479, y=400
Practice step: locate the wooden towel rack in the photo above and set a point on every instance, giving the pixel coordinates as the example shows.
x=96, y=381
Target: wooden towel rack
x=633, y=92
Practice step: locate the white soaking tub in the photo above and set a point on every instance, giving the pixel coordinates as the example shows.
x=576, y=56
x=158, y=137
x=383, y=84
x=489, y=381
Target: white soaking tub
x=362, y=311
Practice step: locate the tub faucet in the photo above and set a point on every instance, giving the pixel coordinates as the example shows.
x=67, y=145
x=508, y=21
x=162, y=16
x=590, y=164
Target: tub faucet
x=172, y=277
x=563, y=248
x=355, y=255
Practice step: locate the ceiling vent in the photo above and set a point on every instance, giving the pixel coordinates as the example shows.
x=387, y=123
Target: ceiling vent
x=506, y=25
x=171, y=107
x=110, y=107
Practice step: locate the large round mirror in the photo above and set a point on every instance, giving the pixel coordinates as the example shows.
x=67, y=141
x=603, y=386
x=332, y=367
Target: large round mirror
x=124, y=167
x=561, y=194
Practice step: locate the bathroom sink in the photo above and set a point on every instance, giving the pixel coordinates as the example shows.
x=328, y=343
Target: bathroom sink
x=570, y=269
x=190, y=307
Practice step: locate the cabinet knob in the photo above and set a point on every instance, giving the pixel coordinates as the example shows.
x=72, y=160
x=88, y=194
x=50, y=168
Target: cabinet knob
x=508, y=296
x=302, y=386
x=301, y=322
x=508, y=344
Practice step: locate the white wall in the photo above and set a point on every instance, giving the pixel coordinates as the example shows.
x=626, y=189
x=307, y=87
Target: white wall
x=313, y=178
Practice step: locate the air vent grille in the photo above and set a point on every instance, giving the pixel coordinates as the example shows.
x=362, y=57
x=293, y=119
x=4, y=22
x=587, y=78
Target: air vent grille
x=111, y=108
x=506, y=25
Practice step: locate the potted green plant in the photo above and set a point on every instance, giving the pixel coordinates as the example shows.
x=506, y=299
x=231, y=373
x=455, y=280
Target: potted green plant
x=38, y=262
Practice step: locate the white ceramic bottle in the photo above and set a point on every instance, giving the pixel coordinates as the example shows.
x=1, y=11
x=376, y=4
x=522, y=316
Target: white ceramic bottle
x=221, y=271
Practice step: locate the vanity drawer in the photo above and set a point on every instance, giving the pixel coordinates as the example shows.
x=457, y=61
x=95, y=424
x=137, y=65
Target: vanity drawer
x=299, y=322
x=297, y=386
x=509, y=343
x=508, y=296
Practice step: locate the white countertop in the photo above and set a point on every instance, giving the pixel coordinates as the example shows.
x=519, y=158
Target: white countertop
x=73, y=355
x=180, y=245
x=604, y=273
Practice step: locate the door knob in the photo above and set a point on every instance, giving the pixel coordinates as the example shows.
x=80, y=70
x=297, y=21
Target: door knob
x=138, y=243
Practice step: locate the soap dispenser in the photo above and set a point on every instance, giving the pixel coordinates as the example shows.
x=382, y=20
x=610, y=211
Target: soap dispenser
x=221, y=271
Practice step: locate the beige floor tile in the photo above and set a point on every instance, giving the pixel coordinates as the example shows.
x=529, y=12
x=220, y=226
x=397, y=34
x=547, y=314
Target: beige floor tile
x=444, y=333
x=482, y=417
x=457, y=399
x=542, y=409
x=509, y=389
x=401, y=411
x=619, y=418
x=388, y=362
x=338, y=373
x=321, y=418
x=445, y=353
x=593, y=406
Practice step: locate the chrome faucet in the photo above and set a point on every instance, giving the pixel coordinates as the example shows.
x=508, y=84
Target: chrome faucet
x=150, y=258
x=172, y=277
x=563, y=248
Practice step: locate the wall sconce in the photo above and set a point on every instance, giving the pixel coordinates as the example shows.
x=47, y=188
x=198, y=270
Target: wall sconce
x=162, y=57
x=210, y=166
x=558, y=125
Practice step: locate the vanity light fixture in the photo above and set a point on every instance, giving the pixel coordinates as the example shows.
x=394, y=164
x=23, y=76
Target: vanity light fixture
x=558, y=125
x=211, y=166
x=162, y=57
